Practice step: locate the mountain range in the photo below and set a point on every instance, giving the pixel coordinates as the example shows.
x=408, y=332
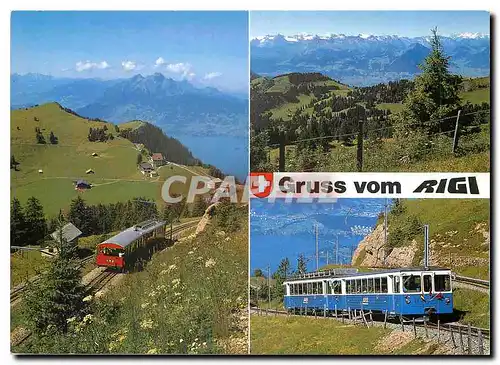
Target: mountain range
x=362, y=59
x=178, y=107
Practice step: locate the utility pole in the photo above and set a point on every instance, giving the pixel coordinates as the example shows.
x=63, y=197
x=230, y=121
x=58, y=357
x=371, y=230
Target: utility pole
x=385, y=232
x=337, y=251
x=360, y=146
x=317, y=252
x=426, y=246
x=269, y=286
x=327, y=257
x=456, y=135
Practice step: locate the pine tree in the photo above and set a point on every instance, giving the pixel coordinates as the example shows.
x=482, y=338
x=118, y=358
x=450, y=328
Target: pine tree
x=80, y=216
x=52, y=138
x=435, y=94
x=17, y=224
x=58, y=295
x=301, y=265
x=139, y=158
x=13, y=163
x=35, y=221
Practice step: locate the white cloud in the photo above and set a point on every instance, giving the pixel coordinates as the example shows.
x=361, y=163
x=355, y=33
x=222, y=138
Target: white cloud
x=179, y=68
x=88, y=65
x=212, y=75
x=160, y=62
x=129, y=65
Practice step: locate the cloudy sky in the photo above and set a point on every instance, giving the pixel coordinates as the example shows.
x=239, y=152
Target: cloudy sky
x=205, y=47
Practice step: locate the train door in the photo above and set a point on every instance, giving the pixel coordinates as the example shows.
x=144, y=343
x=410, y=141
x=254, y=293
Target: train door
x=396, y=297
x=427, y=292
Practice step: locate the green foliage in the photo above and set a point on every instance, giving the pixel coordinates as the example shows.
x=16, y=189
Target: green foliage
x=404, y=232
x=258, y=273
x=200, y=204
x=301, y=265
x=58, y=296
x=17, y=224
x=13, y=163
x=35, y=220
x=473, y=305
x=227, y=217
x=139, y=158
x=53, y=139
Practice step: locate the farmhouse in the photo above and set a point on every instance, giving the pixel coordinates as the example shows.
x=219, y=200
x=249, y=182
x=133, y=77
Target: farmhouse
x=69, y=234
x=145, y=168
x=157, y=159
x=82, y=184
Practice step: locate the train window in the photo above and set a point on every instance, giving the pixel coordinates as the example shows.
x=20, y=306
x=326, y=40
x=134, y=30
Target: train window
x=315, y=288
x=369, y=287
x=377, y=285
x=412, y=283
x=395, y=284
x=427, y=283
x=383, y=285
x=299, y=288
x=309, y=289
x=337, y=287
x=320, y=287
x=442, y=283
x=291, y=288
x=348, y=286
x=363, y=286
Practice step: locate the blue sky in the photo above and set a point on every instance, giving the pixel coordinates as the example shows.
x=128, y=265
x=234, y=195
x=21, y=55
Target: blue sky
x=280, y=229
x=205, y=47
x=404, y=23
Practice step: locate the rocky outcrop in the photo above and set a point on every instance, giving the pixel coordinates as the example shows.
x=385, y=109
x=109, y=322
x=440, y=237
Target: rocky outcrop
x=371, y=251
x=205, y=220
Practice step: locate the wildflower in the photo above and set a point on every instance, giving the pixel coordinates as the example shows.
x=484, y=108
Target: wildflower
x=147, y=323
x=181, y=340
x=190, y=252
x=177, y=294
x=227, y=239
x=87, y=318
x=72, y=319
x=210, y=263
x=144, y=305
x=152, y=351
x=121, y=338
x=88, y=298
x=152, y=294
x=163, y=272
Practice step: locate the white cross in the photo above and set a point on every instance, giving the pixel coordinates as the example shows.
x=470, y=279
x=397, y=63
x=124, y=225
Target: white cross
x=262, y=183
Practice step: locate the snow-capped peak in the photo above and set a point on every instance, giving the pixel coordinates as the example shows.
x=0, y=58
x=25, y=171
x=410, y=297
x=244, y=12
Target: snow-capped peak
x=469, y=35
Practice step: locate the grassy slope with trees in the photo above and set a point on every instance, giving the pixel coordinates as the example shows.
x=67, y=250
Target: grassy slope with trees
x=398, y=134
x=165, y=308
x=71, y=157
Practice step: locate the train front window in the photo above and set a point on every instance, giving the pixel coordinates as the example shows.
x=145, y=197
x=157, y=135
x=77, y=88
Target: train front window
x=427, y=283
x=442, y=282
x=112, y=251
x=337, y=287
x=383, y=282
x=395, y=284
x=412, y=284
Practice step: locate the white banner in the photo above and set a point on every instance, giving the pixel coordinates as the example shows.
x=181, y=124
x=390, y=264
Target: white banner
x=324, y=185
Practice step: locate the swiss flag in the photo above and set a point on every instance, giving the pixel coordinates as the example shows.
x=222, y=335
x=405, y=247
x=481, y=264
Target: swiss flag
x=261, y=184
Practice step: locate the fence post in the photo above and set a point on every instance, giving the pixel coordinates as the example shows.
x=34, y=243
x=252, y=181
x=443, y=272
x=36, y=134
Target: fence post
x=349, y=312
x=425, y=326
x=371, y=317
x=360, y=146
x=456, y=135
x=469, y=340
x=281, y=165
x=439, y=330
x=324, y=311
x=414, y=328
x=385, y=319
x=461, y=339
x=402, y=323
x=364, y=318
x=335, y=310
x=452, y=336
x=480, y=342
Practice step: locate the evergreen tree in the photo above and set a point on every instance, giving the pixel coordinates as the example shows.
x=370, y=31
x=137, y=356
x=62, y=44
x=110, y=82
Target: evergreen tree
x=17, y=224
x=13, y=163
x=199, y=206
x=35, y=221
x=139, y=158
x=80, y=216
x=52, y=138
x=435, y=94
x=258, y=273
x=58, y=296
x=301, y=265
x=280, y=275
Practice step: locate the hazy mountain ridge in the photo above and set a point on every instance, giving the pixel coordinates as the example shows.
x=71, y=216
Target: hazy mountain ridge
x=170, y=104
x=365, y=59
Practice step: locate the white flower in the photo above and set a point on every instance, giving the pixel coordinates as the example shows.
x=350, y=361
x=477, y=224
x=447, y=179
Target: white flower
x=210, y=263
x=181, y=340
x=72, y=319
x=87, y=318
x=152, y=351
x=147, y=323
x=87, y=298
x=144, y=305
x=190, y=252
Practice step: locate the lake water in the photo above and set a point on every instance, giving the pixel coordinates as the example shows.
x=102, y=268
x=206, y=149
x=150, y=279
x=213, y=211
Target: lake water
x=228, y=153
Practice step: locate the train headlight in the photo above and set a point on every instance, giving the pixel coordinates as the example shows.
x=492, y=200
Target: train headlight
x=407, y=301
x=447, y=300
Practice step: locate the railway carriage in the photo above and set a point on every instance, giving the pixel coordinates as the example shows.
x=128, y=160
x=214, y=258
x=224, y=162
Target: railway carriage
x=115, y=251
x=400, y=292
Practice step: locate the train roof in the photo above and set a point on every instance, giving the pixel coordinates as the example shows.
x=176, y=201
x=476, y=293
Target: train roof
x=327, y=275
x=126, y=237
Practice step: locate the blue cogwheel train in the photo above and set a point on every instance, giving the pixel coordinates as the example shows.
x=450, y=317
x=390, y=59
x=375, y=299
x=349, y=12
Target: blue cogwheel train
x=399, y=292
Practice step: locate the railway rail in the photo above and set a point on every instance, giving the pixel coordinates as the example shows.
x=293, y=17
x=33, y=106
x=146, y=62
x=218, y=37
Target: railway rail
x=471, y=281
x=448, y=327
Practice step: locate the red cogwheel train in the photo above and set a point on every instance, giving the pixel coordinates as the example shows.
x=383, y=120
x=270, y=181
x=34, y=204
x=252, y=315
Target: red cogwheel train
x=115, y=251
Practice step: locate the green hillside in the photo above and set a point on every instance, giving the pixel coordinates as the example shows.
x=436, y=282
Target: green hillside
x=116, y=176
